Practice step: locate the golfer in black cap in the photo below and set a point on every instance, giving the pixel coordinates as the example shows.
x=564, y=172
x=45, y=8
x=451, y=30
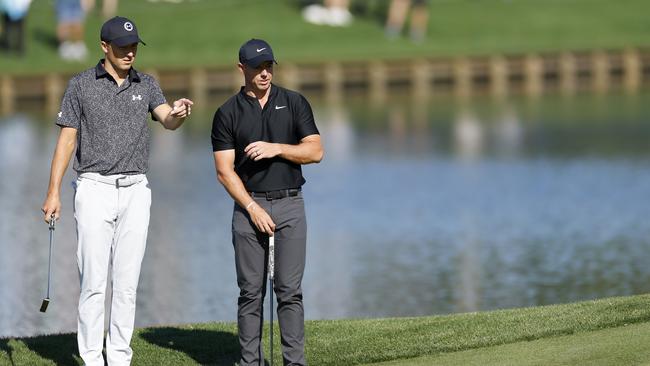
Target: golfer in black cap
x=104, y=115
x=260, y=137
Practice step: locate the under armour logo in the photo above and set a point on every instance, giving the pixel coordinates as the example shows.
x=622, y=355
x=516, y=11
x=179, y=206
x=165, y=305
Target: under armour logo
x=128, y=26
x=60, y=114
x=139, y=97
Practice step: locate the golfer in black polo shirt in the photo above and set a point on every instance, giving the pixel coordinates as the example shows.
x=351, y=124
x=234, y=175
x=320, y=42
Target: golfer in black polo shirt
x=260, y=137
x=105, y=117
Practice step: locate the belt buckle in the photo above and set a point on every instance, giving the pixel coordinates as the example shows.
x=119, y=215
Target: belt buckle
x=275, y=195
x=269, y=195
x=117, y=182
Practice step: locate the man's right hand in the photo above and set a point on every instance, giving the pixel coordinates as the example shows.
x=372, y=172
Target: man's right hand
x=261, y=219
x=52, y=205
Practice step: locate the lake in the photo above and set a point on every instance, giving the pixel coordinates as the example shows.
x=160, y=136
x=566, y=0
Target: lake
x=421, y=206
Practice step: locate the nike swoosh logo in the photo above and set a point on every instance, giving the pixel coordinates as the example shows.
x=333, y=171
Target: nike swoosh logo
x=260, y=49
x=280, y=107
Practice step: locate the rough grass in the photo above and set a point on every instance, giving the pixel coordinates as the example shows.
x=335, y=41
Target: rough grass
x=360, y=341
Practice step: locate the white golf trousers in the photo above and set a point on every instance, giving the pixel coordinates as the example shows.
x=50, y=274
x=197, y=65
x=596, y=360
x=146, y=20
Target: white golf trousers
x=112, y=214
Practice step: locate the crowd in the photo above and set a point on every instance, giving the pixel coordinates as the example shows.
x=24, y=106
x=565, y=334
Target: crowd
x=70, y=17
x=339, y=13
x=71, y=14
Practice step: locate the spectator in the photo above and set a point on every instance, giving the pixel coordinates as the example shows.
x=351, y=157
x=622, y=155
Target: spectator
x=70, y=30
x=334, y=12
x=397, y=13
x=13, y=25
x=109, y=7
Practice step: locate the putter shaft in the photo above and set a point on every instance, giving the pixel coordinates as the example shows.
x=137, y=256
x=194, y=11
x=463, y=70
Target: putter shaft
x=46, y=300
x=271, y=274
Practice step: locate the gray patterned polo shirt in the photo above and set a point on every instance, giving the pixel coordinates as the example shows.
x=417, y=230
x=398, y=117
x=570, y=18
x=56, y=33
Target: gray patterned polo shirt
x=111, y=121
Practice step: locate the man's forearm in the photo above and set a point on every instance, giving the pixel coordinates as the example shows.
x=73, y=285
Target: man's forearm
x=235, y=188
x=303, y=153
x=172, y=123
x=64, y=148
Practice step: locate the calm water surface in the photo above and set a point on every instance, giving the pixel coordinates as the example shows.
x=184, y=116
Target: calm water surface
x=420, y=207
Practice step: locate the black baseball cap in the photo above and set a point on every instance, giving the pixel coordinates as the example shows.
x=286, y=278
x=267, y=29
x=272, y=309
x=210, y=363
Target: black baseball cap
x=120, y=31
x=254, y=52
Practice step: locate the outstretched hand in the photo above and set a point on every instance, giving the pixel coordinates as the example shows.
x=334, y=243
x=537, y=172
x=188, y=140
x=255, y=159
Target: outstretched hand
x=182, y=108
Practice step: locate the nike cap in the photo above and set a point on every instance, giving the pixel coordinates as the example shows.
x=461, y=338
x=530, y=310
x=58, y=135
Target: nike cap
x=254, y=52
x=120, y=31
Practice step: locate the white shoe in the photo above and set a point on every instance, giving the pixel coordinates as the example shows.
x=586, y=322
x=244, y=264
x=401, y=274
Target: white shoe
x=315, y=14
x=79, y=51
x=339, y=17
x=66, y=51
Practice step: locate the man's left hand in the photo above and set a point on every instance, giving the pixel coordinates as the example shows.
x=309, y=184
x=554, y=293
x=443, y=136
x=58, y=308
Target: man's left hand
x=262, y=150
x=182, y=108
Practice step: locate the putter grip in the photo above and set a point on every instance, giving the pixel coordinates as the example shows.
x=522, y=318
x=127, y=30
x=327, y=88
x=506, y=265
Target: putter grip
x=271, y=257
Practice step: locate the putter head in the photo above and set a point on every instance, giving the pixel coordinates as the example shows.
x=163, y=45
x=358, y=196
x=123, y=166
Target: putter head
x=46, y=302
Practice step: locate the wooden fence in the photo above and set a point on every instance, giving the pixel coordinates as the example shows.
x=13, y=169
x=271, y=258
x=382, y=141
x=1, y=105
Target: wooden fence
x=530, y=74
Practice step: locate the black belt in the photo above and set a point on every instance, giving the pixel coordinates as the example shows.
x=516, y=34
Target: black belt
x=276, y=195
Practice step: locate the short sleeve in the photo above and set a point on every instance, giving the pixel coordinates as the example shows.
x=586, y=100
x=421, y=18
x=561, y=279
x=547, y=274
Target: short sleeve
x=304, y=117
x=156, y=96
x=71, y=106
x=222, y=132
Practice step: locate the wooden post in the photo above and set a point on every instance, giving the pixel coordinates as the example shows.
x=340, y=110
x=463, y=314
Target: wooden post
x=198, y=85
x=600, y=71
x=498, y=75
x=377, y=81
x=533, y=71
x=462, y=77
x=290, y=77
x=7, y=96
x=631, y=70
x=568, y=77
x=237, y=79
x=154, y=73
x=53, y=92
x=421, y=78
x=333, y=80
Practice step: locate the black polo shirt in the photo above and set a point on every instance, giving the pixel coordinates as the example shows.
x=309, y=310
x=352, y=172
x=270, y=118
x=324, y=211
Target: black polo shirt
x=286, y=118
x=111, y=121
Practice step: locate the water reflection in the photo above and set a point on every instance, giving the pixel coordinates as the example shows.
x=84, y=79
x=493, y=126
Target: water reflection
x=421, y=206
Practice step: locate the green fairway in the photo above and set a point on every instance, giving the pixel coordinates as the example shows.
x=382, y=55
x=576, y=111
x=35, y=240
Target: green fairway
x=207, y=32
x=365, y=341
x=626, y=345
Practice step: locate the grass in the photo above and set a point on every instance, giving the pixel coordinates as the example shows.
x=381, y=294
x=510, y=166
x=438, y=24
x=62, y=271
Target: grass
x=365, y=341
x=626, y=345
x=209, y=33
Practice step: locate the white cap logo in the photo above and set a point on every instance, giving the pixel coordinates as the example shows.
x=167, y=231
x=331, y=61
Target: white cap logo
x=128, y=26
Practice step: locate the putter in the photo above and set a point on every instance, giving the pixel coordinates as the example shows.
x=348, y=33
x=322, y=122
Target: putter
x=46, y=300
x=271, y=273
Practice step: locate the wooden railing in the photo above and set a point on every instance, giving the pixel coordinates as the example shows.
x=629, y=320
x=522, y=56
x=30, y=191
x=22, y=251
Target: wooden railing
x=530, y=74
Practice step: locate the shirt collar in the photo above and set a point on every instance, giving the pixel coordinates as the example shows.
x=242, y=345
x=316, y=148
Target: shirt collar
x=274, y=92
x=100, y=72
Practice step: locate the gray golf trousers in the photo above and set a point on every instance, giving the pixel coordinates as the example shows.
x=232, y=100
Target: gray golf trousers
x=251, y=250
